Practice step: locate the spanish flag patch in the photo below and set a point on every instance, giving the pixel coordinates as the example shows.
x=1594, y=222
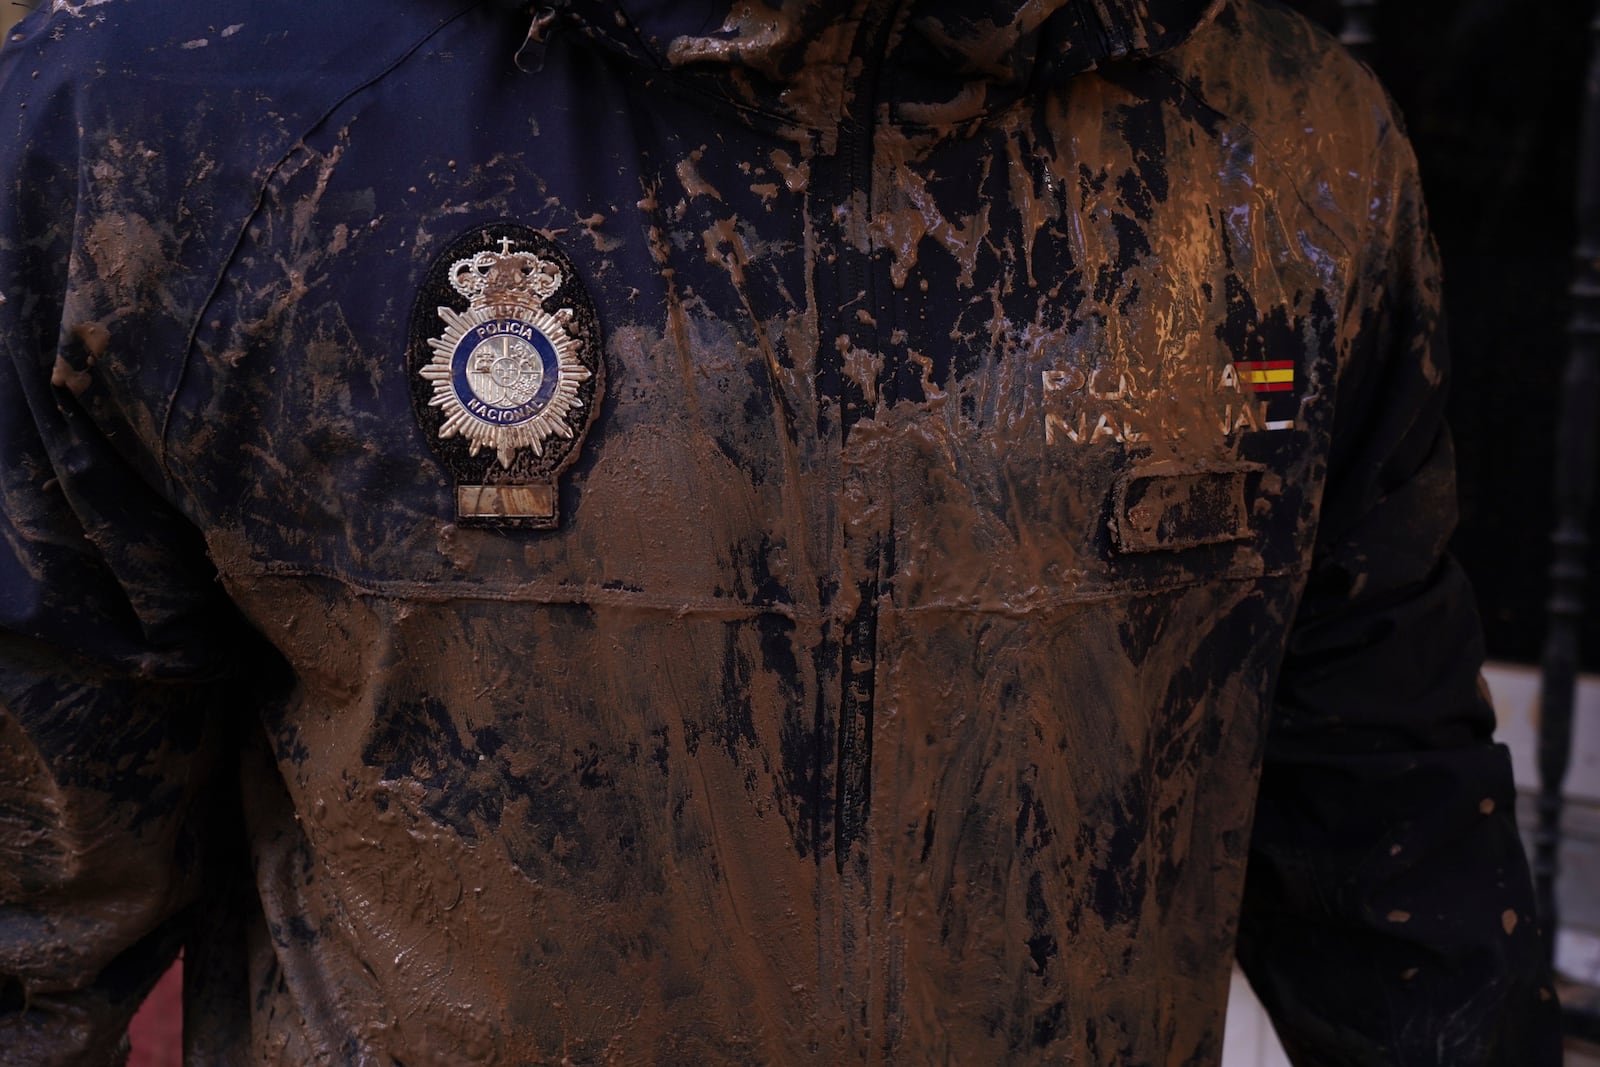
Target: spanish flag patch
x=1265, y=376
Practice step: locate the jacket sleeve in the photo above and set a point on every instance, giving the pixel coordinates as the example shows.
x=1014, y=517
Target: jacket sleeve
x=1389, y=915
x=117, y=650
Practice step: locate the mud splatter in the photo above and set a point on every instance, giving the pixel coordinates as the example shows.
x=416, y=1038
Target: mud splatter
x=128, y=254
x=65, y=376
x=95, y=339
x=75, y=8
x=689, y=177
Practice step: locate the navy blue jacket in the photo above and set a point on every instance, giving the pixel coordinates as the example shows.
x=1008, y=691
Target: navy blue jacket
x=681, y=533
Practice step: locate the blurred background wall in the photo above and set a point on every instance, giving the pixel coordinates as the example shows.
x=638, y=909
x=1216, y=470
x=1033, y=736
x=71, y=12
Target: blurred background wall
x=1491, y=91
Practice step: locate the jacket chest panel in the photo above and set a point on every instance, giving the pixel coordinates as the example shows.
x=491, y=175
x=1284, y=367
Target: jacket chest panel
x=1073, y=376
x=1092, y=378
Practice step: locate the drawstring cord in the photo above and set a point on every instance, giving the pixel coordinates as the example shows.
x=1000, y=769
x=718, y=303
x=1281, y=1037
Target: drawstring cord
x=530, y=57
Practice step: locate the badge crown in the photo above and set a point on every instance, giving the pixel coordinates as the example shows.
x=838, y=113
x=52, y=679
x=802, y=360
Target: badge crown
x=504, y=277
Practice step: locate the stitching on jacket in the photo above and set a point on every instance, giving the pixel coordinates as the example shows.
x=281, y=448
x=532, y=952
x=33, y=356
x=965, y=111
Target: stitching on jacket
x=444, y=591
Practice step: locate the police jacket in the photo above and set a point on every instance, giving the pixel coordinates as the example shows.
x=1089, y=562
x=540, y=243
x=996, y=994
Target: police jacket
x=705, y=533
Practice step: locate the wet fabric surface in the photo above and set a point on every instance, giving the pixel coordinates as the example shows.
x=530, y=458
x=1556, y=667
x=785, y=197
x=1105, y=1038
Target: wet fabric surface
x=1007, y=416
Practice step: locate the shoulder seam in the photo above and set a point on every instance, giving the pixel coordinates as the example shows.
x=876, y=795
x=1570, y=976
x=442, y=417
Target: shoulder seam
x=267, y=178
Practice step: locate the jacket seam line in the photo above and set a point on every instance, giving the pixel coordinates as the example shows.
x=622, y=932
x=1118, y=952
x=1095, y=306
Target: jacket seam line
x=445, y=592
x=639, y=38
x=779, y=121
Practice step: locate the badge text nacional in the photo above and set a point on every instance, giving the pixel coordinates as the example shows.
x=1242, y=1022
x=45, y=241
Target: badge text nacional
x=507, y=385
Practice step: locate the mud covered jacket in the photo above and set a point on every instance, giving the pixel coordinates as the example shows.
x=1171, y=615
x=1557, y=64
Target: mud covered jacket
x=691, y=534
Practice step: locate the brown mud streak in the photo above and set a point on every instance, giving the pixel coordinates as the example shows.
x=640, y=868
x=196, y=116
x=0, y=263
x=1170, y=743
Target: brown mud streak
x=64, y=375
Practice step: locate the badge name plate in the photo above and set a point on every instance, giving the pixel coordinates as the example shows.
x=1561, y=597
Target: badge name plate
x=506, y=386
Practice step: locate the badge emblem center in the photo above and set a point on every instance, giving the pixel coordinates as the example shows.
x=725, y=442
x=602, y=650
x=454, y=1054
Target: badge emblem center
x=506, y=371
x=508, y=384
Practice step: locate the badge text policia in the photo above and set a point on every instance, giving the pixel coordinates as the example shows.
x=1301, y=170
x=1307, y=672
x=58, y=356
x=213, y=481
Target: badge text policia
x=505, y=353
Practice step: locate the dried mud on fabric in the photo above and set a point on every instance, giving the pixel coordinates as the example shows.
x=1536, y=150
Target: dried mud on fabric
x=894, y=684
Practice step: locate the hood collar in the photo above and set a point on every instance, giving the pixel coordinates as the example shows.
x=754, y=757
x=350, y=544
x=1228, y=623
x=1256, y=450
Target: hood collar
x=943, y=61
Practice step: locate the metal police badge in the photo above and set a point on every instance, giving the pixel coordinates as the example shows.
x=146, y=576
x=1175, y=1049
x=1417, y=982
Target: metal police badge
x=507, y=385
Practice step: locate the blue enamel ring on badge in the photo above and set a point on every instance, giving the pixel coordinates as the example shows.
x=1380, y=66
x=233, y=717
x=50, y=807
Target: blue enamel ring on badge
x=505, y=355
x=510, y=372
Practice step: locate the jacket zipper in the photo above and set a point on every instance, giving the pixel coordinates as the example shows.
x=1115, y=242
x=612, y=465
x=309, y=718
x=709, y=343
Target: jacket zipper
x=853, y=773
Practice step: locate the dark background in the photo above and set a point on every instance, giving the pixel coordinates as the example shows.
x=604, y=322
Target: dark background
x=1491, y=91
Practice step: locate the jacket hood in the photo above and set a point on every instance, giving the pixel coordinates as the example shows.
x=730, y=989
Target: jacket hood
x=803, y=61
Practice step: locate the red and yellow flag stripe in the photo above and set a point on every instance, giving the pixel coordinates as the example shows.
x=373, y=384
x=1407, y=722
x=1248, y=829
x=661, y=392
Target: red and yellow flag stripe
x=1266, y=376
